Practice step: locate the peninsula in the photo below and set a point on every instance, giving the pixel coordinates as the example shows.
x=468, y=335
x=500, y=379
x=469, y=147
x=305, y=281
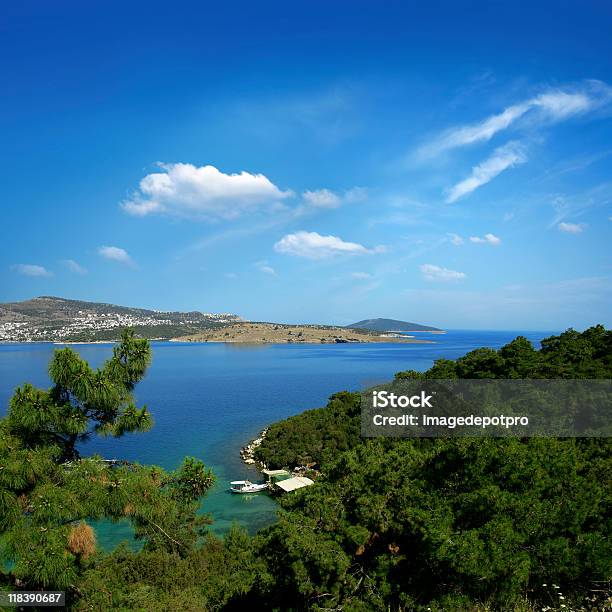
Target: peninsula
x=277, y=333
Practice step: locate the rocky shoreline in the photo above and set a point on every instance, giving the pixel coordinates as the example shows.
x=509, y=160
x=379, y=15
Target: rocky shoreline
x=247, y=453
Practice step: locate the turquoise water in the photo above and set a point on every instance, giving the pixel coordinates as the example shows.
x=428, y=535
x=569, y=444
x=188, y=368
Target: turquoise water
x=209, y=399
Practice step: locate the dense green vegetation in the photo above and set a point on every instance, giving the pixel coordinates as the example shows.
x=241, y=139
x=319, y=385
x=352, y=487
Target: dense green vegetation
x=316, y=436
x=47, y=492
x=414, y=524
x=446, y=522
x=570, y=355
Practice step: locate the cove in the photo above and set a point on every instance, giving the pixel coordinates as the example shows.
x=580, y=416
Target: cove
x=208, y=400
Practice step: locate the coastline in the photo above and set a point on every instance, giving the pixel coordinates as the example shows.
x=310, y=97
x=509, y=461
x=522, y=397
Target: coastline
x=382, y=340
x=247, y=452
x=189, y=339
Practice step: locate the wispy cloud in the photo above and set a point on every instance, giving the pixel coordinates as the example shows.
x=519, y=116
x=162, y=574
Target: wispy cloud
x=325, y=198
x=571, y=228
x=551, y=105
x=491, y=239
x=431, y=272
x=482, y=131
x=264, y=267
x=507, y=156
x=185, y=190
x=322, y=198
x=31, y=270
x=74, y=267
x=577, y=204
x=114, y=253
x=455, y=239
x=361, y=275
x=575, y=164
x=312, y=245
x=326, y=117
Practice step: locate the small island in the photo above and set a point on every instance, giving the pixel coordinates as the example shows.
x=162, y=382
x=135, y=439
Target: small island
x=393, y=325
x=278, y=333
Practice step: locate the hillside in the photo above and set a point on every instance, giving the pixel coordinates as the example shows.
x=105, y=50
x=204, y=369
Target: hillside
x=391, y=325
x=49, y=318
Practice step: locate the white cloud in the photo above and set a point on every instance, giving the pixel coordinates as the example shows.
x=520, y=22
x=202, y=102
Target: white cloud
x=487, y=239
x=482, y=131
x=114, y=253
x=31, y=270
x=312, y=245
x=572, y=228
x=436, y=273
x=186, y=190
x=361, y=275
x=325, y=198
x=559, y=104
x=455, y=239
x=74, y=267
x=551, y=105
x=264, y=267
x=230, y=275
x=355, y=194
x=322, y=198
x=507, y=156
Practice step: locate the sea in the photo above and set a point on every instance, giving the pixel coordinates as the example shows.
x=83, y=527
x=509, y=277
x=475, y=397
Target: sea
x=209, y=399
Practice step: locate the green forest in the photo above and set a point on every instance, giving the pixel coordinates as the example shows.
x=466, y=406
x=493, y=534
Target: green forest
x=390, y=524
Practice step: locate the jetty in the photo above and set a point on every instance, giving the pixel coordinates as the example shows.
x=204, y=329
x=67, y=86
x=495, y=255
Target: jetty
x=282, y=481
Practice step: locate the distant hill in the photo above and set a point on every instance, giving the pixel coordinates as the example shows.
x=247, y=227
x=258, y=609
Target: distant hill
x=387, y=325
x=54, y=319
x=49, y=318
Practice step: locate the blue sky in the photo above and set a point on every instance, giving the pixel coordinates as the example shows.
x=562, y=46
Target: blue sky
x=315, y=162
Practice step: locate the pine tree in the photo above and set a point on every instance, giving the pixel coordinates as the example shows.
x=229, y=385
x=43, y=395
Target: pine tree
x=48, y=491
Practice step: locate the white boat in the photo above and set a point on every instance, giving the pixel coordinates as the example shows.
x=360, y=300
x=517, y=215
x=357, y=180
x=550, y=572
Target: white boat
x=246, y=486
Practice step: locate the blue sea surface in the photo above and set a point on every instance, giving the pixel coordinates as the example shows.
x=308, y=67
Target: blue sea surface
x=209, y=399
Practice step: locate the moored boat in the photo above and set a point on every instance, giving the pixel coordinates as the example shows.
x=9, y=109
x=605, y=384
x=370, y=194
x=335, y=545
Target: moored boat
x=246, y=486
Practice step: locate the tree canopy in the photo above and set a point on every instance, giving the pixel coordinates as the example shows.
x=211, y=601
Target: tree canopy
x=82, y=401
x=443, y=523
